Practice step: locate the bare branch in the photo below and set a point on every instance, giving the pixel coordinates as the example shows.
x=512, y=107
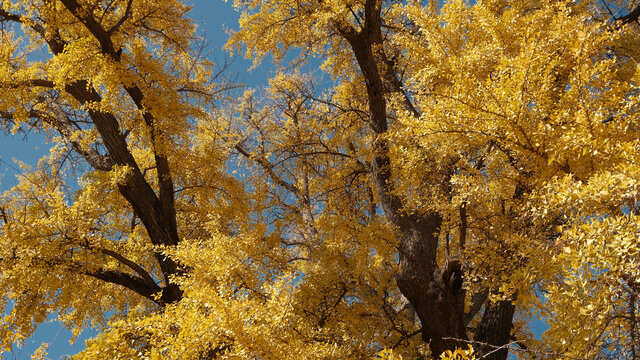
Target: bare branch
x=38, y=28
x=136, y=284
x=60, y=121
x=127, y=14
x=477, y=300
x=132, y=265
x=5, y=218
x=268, y=167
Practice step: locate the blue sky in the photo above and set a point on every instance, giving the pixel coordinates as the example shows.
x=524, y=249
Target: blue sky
x=213, y=17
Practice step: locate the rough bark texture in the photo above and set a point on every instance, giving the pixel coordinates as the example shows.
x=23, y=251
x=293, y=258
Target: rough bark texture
x=494, y=330
x=436, y=294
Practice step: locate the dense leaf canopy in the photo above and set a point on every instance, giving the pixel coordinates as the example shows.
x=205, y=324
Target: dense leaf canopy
x=468, y=167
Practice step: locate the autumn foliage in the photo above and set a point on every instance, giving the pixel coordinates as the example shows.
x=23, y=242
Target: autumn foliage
x=466, y=168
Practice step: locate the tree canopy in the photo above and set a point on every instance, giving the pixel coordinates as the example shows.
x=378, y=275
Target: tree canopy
x=468, y=167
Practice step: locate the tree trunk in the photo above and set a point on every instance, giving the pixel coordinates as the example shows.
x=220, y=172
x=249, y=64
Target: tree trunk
x=436, y=294
x=494, y=330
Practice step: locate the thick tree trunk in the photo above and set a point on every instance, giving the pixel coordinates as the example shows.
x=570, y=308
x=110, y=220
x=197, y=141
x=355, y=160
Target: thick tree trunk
x=494, y=330
x=156, y=211
x=436, y=294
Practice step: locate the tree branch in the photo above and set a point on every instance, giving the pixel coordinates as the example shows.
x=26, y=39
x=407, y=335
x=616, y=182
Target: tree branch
x=463, y=225
x=268, y=167
x=136, y=284
x=165, y=180
x=94, y=27
x=132, y=265
x=630, y=17
x=127, y=14
x=477, y=300
x=34, y=82
x=60, y=121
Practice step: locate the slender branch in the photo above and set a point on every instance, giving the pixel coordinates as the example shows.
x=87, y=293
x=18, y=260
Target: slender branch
x=477, y=300
x=132, y=265
x=127, y=14
x=463, y=225
x=38, y=28
x=5, y=218
x=8, y=16
x=510, y=344
x=268, y=167
x=61, y=122
x=138, y=285
x=116, y=277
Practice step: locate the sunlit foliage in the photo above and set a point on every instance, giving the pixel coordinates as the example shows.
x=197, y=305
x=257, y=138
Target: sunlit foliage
x=468, y=166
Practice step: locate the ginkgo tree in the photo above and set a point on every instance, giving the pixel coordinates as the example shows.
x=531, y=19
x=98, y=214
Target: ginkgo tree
x=468, y=166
